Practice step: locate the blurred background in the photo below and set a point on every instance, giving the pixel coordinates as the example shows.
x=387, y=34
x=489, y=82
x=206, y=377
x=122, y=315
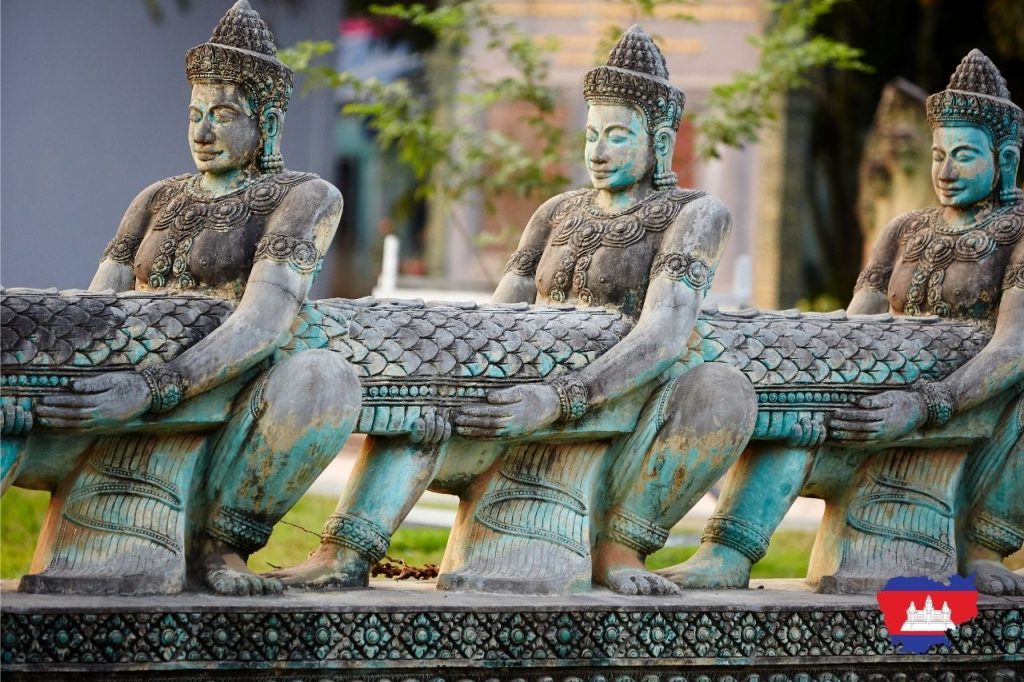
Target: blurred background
x=446, y=123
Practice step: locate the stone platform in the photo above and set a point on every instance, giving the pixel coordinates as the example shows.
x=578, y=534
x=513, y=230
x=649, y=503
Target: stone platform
x=779, y=631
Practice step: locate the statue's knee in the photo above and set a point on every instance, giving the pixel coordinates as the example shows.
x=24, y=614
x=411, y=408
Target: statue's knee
x=713, y=395
x=316, y=384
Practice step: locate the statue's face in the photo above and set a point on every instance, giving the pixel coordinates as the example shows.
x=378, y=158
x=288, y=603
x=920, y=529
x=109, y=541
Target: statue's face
x=223, y=133
x=963, y=165
x=619, y=152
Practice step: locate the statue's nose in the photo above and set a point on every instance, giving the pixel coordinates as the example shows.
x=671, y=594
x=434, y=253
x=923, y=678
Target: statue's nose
x=201, y=132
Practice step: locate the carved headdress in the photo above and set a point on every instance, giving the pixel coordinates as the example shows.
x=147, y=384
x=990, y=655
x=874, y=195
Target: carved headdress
x=242, y=51
x=977, y=95
x=636, y=75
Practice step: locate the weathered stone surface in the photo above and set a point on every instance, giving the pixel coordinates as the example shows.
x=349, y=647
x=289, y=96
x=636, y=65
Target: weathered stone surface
x=411, y=632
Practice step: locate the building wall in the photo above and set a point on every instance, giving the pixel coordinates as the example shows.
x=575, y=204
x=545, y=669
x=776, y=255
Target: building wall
x=93, y=104
x=700, y=53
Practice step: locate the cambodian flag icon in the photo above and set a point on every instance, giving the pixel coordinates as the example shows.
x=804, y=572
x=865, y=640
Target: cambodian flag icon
x=918, y=612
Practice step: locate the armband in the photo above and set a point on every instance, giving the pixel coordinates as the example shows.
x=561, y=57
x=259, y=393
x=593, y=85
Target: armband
x=166, y=387
x=572, y=397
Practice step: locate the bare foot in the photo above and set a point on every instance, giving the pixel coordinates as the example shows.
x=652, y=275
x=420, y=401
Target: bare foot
x=330, y=567
x=225, y=572
x=992, y=577
x=712, y=567
x=621, y=570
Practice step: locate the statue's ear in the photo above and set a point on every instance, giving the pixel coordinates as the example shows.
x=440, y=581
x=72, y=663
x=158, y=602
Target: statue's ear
x=1008, y=160
x=664, y=143
x=272, y=120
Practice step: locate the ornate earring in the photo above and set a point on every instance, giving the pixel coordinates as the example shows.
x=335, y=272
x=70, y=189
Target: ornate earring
x=271, y=163
x=1011, y=195
x=664, y=176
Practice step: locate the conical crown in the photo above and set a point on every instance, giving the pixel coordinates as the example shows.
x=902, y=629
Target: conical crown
x=241, y=50
x=977, y=95
x=635, y=51
x=977, y=73
x=636, y=75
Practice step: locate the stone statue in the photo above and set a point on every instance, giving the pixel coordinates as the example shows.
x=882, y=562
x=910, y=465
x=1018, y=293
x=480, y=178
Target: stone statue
x=962, y=261
x=246, y=231
x=637, y=244
x=181, y=407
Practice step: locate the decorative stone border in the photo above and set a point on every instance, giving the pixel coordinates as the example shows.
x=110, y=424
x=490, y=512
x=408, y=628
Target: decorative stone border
x=764, y=635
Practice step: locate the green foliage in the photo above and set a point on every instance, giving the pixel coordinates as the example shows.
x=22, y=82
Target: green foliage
x=638, y=10
x=821, y=303
x=298, y=534
x=21, y=517
x=788, y=556
x=435, y=131
x=736, y=110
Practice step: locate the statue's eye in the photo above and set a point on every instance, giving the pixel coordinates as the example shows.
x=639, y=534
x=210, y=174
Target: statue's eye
x=618, y=139
x=591, y=136
x=964, y=155
x=195, y=116
x=223, y=116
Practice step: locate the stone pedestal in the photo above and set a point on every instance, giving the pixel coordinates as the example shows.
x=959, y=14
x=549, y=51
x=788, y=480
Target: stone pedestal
x=779, y=631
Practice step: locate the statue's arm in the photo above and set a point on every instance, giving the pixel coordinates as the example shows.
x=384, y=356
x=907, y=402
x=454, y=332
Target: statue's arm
x=870, y=295
x=296, y=236
x=996, y=368
x=295, y=239
x=680, y=277
x=518, y=284
x=116, y=269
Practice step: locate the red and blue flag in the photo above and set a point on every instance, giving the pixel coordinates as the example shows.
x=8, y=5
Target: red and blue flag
x=919, y=612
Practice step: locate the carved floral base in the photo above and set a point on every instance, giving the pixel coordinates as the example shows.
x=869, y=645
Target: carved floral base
x=409, y=632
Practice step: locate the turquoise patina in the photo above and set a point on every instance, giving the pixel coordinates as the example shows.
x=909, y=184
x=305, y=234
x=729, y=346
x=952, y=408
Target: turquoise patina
x=893, y=507
x=177, y=415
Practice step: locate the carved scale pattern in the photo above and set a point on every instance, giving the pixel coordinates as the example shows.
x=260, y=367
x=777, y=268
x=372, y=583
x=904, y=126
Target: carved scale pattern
x=411, y=356
x=507, y=638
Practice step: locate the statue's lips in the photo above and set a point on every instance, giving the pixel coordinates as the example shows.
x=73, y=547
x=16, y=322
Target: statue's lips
x=951, y=192
x=603, y=173
x=206, y=155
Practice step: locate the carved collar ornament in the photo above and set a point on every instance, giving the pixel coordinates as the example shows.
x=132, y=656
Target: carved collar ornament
x=578, y=223
x=636, y=75
x=242, y=51
x=932, y=245
x=977, y=95
x=181, y=209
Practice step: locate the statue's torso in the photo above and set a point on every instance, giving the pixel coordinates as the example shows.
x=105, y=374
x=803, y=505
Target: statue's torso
x=592, y=258
x=956, y=275
x=197, y=242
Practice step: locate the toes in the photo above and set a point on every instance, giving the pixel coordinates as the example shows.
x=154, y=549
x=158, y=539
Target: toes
x=624, y=586
x=988, y=585
x=1018, y=584
x=272, y=587
x=642, y=586
x=660, y=585
x=254, y=584
x=1008, y=583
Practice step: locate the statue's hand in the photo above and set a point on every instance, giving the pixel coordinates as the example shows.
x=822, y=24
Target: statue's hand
x=96, y=402
x=807, y=432
x=432, y=428
x=509, y=412
x=885, y=416
x=15, y=419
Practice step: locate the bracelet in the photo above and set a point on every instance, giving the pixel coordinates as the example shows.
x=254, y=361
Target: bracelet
x=166, y=387
x=939, y=400
x=572, y=397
